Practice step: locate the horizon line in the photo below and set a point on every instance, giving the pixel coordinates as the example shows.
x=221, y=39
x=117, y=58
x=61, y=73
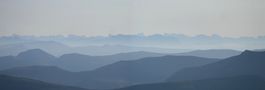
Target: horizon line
x=135, y=34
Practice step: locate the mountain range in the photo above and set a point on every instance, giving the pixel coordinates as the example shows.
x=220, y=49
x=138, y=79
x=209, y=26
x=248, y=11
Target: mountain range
x=152, y=72
x=173, y=41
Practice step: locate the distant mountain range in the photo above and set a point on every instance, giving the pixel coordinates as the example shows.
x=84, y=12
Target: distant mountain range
x=160, y=43
x=15, y=83
x=58, y=49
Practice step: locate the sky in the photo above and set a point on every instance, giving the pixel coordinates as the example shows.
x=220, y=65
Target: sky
x=230, y=18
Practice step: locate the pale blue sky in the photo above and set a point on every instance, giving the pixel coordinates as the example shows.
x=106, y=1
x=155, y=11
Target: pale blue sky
x=230, y=18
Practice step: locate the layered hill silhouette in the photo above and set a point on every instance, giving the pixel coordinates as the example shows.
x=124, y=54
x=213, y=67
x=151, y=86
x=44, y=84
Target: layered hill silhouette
x=123, y=73
x=80, y=62
x=228, y=83
x=120, y=74
x=15, y=83
x=71, y=62
x=247, y=63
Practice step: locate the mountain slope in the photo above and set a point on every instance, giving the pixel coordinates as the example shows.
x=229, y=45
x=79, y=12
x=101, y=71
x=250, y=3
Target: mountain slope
x=15, y=83
x=228, y=83
x=146, y=70
x=212, y=53
x=247, y=63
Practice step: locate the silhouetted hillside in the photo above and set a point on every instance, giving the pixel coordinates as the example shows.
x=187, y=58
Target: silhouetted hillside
x=228, y=83
x=15, y=83
x=247, y=63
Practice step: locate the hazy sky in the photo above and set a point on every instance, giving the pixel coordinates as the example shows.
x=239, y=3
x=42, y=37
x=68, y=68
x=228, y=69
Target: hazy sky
x=231, y=18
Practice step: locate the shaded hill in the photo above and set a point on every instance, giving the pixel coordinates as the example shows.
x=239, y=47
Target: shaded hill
x=15, y=83
x=27, y=58
x=228, y=83
x=247, y=63
x=212, y=53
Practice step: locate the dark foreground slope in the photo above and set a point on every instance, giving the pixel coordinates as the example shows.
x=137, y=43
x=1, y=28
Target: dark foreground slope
x=247, y=63
x=229, y=83
x=15, y=83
